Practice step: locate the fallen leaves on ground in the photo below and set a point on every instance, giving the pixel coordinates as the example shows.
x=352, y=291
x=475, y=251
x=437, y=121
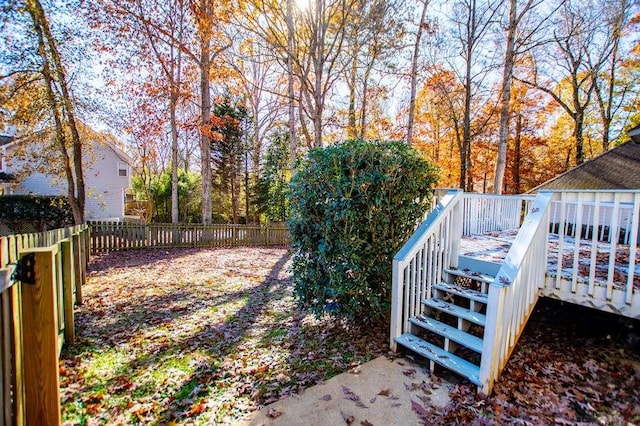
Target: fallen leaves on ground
x=571, y=366
x=198, y=336
x=273, y=413
x=207, y=336
x=350, y=395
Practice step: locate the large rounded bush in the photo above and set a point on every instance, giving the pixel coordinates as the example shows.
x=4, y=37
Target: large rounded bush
x=353, y=206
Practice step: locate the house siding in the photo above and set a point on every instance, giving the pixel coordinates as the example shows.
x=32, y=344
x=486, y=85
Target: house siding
x=104, y=187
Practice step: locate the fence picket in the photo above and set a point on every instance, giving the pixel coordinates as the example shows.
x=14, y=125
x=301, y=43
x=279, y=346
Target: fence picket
x=112, y=236
x=38, y=317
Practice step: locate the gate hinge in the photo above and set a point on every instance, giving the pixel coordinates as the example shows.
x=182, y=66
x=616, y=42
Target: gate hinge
x=25, y=269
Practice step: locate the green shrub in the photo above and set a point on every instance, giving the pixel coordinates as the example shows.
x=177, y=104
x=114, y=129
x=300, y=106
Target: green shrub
x=353, y=206
x=34, y=213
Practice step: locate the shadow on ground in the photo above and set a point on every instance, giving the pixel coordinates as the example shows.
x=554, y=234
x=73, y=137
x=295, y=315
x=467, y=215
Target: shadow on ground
x=206, y=335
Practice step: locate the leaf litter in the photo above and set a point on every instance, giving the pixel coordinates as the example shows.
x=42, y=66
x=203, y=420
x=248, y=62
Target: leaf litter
x=198, y=336
x=207, y=336
x=572, y=365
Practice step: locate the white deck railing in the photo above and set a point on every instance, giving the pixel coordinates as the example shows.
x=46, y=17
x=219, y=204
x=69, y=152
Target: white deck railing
x=421, y=261
x=515, y=291
x=577, y=246
x=601, y=227
x=488, y=213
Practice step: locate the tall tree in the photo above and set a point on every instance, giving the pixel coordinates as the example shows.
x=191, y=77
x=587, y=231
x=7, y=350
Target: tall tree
x=172, y=15
x=422, y=25
x=45, y=78
x=203, y=17
x=473, y=20
x=147, y=35
x=566, y=69
x=291, y=101
x=517, y=39
x=257, y=78
x=315, y=49
x=374, y=38
x=227, y=132
x=609, y=90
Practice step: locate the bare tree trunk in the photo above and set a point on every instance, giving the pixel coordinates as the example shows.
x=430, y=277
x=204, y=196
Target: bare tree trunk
x=174, y=157
x=517, y=160
x=176, y=77
x=173, y=100
x=235, y=189
x=578, y=136
x=365, y=104
x=293, y=142
x=465, y=152
x=351, y=113
x=507, y=73
x=318, y=58
x=75, y=189
x=247, y=197
x=414, y=72
x=205, y=119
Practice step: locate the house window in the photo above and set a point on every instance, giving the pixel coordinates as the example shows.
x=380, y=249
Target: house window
x=122, y=169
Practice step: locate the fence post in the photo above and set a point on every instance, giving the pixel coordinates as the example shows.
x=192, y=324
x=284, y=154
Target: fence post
x=68, y=282
x=77, y=261
x=86, y=246
x=40, y=335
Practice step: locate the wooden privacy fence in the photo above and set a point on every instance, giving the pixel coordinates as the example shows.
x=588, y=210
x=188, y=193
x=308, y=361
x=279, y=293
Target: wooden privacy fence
x=41, y=277
x=109, y=236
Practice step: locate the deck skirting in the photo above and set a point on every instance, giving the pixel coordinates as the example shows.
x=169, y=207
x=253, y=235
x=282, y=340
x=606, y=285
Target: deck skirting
x=616, y=305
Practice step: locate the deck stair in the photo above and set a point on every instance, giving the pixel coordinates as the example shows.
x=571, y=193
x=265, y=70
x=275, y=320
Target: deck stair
x=462, y=293
x=450, y=329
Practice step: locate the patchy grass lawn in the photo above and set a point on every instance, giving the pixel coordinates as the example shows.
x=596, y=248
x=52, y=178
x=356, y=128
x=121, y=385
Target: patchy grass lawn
x=198, y=337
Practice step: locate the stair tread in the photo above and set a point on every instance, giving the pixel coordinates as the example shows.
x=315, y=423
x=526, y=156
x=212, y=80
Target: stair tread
x=460, y=312
x=440, y=356
x=477, y=276
x=461, y=337
x=476, y=295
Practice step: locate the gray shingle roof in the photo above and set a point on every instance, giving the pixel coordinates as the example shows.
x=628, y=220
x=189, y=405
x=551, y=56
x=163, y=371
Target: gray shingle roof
x=4, y=139
x=618, y=168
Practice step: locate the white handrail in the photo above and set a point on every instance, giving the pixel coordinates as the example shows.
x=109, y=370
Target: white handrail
x=514, y=292
x=421, y=261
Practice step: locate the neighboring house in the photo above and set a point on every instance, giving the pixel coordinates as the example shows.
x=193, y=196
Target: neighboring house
x=107, y=176
x=5, y=177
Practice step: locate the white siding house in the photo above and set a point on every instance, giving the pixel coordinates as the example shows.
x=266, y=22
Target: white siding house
x=5, y=177
x=107, y=176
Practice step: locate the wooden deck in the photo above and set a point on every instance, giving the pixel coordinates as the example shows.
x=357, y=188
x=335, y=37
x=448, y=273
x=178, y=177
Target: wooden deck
x=580, y=247
x=601, y=284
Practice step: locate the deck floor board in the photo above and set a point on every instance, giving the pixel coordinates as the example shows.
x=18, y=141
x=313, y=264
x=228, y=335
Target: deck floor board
x=493, y=247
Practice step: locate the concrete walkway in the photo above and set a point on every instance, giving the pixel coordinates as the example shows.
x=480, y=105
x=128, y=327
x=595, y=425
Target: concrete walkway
x=379, y=392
